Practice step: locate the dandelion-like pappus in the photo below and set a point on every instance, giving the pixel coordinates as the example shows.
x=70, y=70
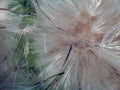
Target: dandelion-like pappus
x=81, y=39
x=71, y=45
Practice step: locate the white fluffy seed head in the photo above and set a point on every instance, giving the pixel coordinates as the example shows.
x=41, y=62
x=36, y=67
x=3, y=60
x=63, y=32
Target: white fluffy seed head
x=76, y=38
x=77, y=43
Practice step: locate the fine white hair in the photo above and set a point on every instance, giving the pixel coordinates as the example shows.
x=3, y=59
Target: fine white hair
x=81, y=40
x=72, y=45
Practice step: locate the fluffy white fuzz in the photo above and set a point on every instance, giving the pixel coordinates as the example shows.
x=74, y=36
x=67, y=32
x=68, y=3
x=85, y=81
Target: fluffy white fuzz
x=81, y=40
x=14, y=49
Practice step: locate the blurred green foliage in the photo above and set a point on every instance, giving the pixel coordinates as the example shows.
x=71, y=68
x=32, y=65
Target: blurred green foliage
x=25, y=8
x=22, y=7
x=26, y=21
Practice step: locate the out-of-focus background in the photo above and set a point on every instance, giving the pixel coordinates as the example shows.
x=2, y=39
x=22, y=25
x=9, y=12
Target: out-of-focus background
x=15, y=63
